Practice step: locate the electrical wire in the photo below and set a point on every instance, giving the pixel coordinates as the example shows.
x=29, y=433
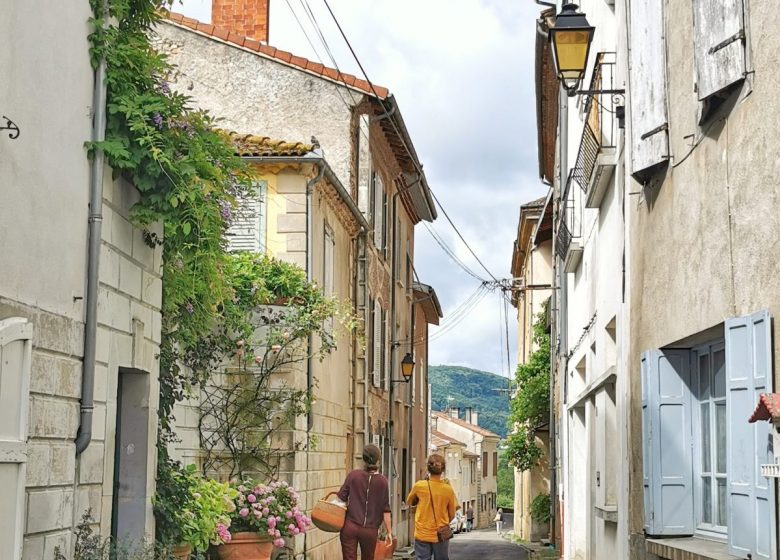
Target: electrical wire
x=450, y=252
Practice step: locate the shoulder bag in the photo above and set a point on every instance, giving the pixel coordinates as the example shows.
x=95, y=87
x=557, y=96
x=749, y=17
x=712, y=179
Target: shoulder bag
x=442, y=533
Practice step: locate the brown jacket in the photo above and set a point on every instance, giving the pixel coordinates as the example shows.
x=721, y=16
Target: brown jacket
x=367, y=497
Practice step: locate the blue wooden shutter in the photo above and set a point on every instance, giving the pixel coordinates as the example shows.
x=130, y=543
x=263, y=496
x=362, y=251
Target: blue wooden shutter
x=668, y=442
x=751, y=500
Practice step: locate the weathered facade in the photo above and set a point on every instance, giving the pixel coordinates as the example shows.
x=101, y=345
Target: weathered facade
x=482, y=443
x=46, y=485
x=460, y=468
x=359, y=129
x=532, y=273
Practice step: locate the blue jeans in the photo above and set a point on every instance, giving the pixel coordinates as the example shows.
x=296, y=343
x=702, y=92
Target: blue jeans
x=426, y=550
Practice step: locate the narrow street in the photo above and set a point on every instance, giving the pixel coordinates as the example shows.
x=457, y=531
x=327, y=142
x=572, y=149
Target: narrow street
x=484, y=544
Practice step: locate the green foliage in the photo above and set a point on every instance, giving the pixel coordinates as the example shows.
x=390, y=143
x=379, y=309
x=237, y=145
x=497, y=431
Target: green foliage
x=189, y=180
x=91, y=546
x=484, y=391
x=530, y=407
x=540, y=509
x=210, y=505
x=506, y=482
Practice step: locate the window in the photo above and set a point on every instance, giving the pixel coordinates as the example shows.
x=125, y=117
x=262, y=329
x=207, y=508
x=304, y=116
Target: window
x=328, y=271
x=495, y=463
x=699, y=399
x=484, y=464
x=363, y=164
x=247, y=232
x=385, y=355
x=709, y=386
x=376, y=323
x=379, y=200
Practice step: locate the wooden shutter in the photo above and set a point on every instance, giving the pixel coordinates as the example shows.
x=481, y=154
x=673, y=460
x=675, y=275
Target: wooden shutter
x=247, y=231
x=647, y=74
x=328, y=281
x=363, y=164
x=668, y=442
x=377, y=344
x=484, y=464
x=751, y=500
x=15, y=362
x=719, y=44
x=379, y=215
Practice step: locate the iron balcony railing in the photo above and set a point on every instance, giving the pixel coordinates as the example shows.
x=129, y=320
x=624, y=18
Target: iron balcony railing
x=569, y=219
x=600, y=129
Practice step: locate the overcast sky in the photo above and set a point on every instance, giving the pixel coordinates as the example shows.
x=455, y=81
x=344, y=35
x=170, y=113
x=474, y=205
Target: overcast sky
x=463, y=74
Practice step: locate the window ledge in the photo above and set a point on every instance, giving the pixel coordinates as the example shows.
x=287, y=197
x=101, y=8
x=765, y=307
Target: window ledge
x=689, y=548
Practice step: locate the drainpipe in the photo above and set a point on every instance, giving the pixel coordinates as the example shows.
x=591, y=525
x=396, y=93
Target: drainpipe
x=310, y=359
x=95, y=223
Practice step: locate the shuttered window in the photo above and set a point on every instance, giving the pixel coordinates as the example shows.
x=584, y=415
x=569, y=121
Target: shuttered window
x=363, y=163
x=378, y=352
x=701, y=457
x=719, y=45
x=328, y=270
x=484, y=464
x=247, y=231
x=647, y=74
x=379, y=200
x=15, y=363
x=751, y=497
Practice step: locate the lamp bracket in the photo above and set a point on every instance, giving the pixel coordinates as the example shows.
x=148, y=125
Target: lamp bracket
x=394, y=381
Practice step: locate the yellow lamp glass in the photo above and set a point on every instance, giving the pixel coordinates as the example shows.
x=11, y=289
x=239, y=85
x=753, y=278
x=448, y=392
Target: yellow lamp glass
x=571, y=37
x=407, y=366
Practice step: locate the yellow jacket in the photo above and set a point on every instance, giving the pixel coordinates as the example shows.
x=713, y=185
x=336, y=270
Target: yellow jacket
x=444, y=503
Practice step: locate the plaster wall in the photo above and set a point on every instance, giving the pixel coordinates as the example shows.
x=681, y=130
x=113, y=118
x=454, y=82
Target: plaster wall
x=254, y=94
x=706, y=233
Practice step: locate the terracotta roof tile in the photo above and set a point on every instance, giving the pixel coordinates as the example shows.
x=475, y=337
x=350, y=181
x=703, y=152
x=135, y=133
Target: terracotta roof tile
x=768, y=408
x=282, y=56
x=462, y=423
x=248, y=145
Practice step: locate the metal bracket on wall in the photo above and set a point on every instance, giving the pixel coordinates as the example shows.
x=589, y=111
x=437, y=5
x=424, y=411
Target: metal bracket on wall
x=10, y=125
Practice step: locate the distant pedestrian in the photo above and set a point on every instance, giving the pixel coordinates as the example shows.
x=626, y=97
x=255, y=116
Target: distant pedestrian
x=368, y=505
x=469, y=519
x=499, y=519
x=436, y=504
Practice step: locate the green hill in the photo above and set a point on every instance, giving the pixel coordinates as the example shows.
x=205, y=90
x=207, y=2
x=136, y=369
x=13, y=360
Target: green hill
x=474, y=388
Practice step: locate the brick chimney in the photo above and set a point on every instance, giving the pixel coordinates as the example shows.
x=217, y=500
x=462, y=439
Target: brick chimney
x=248, y=18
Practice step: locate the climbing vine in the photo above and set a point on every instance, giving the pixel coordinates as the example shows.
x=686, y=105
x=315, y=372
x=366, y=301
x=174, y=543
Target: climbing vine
x=530, y=407
x=189, y=180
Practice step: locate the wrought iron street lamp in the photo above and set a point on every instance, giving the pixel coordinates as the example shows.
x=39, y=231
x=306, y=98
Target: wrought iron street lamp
x=407, y=369
x=571, y=37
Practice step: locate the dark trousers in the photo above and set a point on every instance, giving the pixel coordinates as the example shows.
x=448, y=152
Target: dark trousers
x=353, y=534
x=427, y=550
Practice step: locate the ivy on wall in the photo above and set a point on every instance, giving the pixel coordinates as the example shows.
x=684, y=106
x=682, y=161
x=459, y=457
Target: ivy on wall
x=189, y=179
x=530, y=407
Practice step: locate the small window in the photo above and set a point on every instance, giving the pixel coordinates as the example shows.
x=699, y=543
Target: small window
x=495, y=463
x=484, y=464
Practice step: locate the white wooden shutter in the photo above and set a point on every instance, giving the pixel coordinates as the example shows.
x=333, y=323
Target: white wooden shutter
x=379, y=214
x=363, y=163
x=668, y=442
x=647, y=74
x=15, y=361
x=377, y=344
x=386, y=350
x=719, y=44
x=328, y=281
x=751, y=497
x=247, y=232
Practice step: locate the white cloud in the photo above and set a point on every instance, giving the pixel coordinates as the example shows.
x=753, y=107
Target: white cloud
x=462, y=71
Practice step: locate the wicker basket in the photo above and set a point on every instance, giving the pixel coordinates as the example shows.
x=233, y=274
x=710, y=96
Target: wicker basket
x=328, y=516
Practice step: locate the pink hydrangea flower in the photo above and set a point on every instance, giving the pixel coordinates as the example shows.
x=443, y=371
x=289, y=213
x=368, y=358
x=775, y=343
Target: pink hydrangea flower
x=244, y=512
x=279, y=543
x=251, y=498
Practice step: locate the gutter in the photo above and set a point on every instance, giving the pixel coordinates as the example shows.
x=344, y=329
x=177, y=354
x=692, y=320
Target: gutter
x=95, y=226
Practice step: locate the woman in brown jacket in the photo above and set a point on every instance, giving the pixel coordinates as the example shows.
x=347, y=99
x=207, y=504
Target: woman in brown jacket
x=368, y=505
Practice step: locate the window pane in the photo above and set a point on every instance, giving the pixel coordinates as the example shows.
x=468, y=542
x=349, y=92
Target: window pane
x=719, y=373
x=706, y=496
x=706, y=452
x=704, y=376
x=722, y=502
x=720, y=436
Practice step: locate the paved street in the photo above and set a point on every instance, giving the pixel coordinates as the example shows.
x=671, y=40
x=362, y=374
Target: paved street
x=485, y=545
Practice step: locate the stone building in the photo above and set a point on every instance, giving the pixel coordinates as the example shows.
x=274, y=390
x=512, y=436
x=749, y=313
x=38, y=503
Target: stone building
x=63, y=451
x=359, y=128
x=482, y=443
x=532, y=274
x=460, y=468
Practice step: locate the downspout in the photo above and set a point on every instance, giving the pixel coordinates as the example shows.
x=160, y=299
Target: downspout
x=310, y=358
x=95, y=223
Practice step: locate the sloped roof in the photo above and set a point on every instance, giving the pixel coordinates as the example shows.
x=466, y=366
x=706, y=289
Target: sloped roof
x=249, y=145
x=278, y=55
x=439, y=439
x=768, y=408
x=462, y=423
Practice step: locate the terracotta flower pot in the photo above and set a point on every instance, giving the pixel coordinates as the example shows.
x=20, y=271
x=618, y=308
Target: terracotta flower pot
x=382, y=551
x=182, y=552
x=246, y=546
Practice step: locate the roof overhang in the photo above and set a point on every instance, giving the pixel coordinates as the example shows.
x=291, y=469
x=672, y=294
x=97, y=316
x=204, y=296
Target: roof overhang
x=425, y=296
x=547, y=93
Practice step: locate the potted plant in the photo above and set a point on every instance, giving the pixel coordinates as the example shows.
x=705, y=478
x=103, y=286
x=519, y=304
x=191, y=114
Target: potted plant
x=263, y=517
x=205, y=518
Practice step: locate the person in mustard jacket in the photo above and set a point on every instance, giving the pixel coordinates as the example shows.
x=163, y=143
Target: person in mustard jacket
x=435, y=501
